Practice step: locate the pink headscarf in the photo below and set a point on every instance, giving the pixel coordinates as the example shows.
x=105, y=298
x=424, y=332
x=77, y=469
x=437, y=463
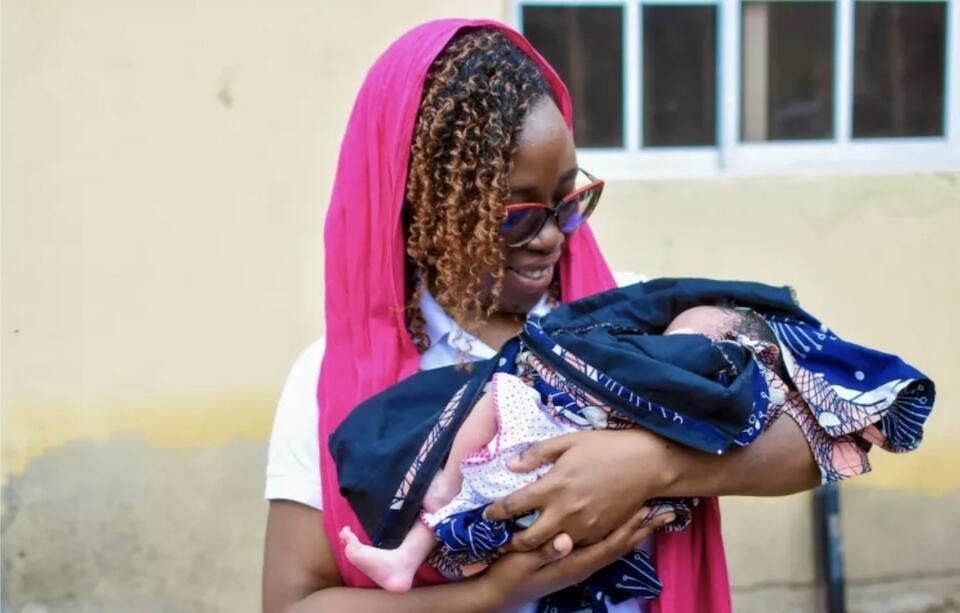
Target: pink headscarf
x=368, y=347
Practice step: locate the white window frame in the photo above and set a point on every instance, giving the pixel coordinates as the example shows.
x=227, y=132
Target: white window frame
x=732, y=157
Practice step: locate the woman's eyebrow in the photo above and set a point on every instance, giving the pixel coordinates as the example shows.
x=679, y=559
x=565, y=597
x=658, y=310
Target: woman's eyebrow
x=570, y=174
x=531, y=190
x=523, y=190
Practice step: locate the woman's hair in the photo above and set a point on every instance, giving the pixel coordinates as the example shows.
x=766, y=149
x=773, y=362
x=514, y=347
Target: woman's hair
x=476, y=95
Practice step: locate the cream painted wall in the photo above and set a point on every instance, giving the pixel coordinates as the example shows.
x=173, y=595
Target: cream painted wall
x=876, y=257
x=165, y=172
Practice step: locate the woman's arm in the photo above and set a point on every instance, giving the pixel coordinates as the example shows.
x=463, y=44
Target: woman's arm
x=601, y=477
x=778, y=463
x=300, y=573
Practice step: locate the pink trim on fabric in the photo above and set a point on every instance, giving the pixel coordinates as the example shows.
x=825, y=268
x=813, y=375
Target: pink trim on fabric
x=484, y=455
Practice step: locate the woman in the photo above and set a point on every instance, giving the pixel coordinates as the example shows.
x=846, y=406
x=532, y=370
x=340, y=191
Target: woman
x=424, y=268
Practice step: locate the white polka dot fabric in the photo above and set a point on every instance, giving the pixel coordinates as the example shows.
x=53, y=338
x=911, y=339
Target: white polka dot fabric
x=521, y=421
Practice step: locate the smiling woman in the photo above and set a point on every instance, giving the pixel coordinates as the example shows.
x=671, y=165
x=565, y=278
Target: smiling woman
x=544, y=168
x=458, y=147
x=453, y=239
x=489, y=129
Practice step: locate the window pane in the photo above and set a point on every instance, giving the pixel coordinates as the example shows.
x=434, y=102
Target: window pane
x=898, y=69
x=679, y=75
x=585, y=45
x=787, y=58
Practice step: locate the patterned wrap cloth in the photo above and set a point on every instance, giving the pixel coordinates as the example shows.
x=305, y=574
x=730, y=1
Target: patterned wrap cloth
x=600, y=363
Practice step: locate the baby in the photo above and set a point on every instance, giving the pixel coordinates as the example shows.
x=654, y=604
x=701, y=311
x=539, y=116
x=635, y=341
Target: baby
x=507, y=419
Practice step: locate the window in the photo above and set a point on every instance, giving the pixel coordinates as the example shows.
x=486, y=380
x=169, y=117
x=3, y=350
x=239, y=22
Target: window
x=681, y=87
x=898, y=69
x=579, y=44
x=787, y=58
x=679, y=75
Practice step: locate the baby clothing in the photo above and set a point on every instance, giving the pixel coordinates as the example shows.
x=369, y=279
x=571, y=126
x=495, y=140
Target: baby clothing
x=601, y=362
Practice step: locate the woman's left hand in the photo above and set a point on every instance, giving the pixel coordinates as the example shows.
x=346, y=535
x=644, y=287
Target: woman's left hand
x=598, y=481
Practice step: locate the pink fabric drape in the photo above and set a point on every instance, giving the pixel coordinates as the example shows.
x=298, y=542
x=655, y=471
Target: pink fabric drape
x=368, y=348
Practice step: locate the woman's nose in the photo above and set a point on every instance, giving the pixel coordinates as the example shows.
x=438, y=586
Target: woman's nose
x=549, y=239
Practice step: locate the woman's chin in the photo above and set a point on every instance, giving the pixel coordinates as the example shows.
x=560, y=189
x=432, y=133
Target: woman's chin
x=521, y=293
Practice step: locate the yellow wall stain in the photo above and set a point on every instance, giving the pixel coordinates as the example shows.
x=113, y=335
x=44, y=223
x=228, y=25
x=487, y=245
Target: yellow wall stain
x=201, y=421
x=209, y=421
x=926, y=470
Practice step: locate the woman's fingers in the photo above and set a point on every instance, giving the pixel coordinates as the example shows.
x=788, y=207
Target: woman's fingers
x=520, y=502
x=524, y=576
x=563, y=544
x=647, y=526
x=515, y=576
x=541, y=531
x=557, y=548
x=538, y=454
x=584, y=561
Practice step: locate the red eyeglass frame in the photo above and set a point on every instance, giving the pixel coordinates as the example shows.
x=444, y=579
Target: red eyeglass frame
x=554, y=211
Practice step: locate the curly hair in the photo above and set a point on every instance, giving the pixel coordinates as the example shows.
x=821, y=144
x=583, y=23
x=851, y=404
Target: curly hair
x=476, y=95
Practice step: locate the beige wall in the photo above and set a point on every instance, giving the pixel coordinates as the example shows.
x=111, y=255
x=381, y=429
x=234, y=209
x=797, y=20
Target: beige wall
x=165, y=171
x=876, y=257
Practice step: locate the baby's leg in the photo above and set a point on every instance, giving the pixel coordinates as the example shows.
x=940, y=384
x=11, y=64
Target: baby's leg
x=391, y=569
x=478, y=429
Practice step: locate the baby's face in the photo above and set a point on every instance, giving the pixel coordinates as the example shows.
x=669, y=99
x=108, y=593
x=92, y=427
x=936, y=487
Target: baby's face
x=712, y=322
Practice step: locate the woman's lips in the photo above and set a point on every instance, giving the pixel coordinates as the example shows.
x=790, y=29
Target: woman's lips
x=536, y=280
x=534, y=274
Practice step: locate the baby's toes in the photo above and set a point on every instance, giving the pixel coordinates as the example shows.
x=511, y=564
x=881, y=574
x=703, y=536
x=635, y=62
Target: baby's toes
x=347, y=536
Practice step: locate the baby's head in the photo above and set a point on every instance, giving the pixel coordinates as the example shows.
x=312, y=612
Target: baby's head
x=711, y=321
x=716, y=322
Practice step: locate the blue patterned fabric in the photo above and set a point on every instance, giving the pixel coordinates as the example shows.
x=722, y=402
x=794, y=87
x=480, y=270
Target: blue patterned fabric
x=850, y=387
x=605, y=359
x=733, y=381
x=467, y=538
x=630, y=577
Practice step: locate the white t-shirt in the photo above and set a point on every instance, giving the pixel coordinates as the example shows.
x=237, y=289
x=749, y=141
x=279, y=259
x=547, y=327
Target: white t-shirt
x=293, y=460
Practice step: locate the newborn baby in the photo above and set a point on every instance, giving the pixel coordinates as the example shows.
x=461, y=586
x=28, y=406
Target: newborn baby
x=507, y=419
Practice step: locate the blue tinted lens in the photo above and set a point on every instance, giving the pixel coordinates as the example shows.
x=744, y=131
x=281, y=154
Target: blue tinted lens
x=514, y=219
x=523, y=224
x=571, y=221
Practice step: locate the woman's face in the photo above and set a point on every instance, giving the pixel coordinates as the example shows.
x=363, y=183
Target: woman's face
x=544, y=170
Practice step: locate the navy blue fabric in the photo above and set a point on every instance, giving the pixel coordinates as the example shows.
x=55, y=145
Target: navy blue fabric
x=707, y=395
x=380, y=440
x=376, y=446
x=684, y=387
x=467, y=538
x=856, y=381
x=630, y=577
x=676, y=385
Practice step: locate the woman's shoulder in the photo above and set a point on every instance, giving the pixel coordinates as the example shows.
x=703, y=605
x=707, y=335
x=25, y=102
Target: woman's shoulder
x=299, y=394
x=300, y=388
x=310, y=358
x=293, y=471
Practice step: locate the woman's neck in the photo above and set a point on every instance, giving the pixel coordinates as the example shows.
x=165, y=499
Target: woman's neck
x=500, y=328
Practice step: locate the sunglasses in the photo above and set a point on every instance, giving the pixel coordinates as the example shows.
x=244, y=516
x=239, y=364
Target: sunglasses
x=525, y=220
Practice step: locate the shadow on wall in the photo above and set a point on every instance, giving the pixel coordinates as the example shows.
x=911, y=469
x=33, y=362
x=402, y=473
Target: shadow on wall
x=126, y=526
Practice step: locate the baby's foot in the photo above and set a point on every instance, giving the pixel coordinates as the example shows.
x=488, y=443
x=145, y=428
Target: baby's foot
x=386, y=567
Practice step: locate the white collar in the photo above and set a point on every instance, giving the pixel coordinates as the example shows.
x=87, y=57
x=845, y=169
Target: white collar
x=441, y=328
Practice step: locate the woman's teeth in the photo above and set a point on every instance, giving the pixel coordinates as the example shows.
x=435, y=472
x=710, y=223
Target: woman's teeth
x=535, y=274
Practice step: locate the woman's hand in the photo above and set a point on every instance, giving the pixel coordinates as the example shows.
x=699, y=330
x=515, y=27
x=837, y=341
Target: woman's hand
x=597, y=483
x=521, y=577
x=599, y=478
